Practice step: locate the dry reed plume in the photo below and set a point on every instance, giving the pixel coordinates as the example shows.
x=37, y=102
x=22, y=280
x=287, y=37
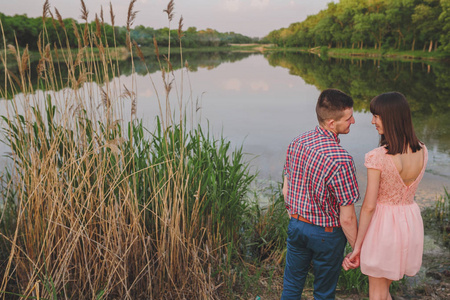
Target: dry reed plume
x=100, y=210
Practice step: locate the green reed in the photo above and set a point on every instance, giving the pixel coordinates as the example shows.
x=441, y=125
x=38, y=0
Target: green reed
x=437, y=219
x=442, y=210
x=266, y=226
x=442, y=216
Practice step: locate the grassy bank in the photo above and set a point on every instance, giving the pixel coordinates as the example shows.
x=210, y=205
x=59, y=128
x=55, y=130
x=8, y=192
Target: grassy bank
x=389, y=54
x=438, y=219
x=417, y=55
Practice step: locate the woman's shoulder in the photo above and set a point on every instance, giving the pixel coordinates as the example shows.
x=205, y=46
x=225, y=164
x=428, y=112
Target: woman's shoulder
x=377, y=151
x=424, y=147
x=374, y=158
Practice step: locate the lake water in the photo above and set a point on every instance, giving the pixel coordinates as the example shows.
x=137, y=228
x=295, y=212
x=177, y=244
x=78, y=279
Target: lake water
x=263, y=101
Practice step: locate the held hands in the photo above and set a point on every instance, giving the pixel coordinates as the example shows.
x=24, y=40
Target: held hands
x=351, y=261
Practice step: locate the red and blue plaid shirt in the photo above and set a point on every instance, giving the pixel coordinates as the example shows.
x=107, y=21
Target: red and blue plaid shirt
x=321, y=177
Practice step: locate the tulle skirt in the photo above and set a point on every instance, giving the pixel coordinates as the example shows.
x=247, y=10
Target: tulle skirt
x=393, y=245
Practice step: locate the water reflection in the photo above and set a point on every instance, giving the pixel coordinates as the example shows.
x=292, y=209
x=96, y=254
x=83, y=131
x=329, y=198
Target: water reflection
x=195, y=60
x=425, y=85
x=264, y=101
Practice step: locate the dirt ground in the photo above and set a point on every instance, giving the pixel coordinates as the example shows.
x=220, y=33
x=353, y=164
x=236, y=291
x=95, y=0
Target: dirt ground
x=432, y=282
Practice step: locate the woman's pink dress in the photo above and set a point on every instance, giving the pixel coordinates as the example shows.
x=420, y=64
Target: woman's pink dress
x=393, y=245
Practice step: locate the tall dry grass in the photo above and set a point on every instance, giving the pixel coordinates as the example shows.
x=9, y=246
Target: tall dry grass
x=96, y=207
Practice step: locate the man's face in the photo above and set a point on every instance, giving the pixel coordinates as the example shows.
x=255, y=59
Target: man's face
x=342, y=126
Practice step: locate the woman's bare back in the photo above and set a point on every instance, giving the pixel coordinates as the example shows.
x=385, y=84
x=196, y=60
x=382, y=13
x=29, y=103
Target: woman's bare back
x=409, y=165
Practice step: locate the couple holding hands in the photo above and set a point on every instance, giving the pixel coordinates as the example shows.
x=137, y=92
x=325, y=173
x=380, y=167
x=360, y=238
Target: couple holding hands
x=320, y=190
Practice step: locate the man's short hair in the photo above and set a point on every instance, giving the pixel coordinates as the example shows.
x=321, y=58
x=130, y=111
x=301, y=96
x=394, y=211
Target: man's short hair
x=331, y=105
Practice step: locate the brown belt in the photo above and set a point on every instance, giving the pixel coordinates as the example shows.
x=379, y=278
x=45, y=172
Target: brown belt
x=300, y=218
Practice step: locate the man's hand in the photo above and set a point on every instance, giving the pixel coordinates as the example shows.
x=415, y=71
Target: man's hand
x=351, y=261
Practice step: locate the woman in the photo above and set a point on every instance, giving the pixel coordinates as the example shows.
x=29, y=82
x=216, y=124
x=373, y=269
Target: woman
x=389, y=243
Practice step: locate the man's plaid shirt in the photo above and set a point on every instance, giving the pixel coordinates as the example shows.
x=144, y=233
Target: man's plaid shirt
x=321, y=177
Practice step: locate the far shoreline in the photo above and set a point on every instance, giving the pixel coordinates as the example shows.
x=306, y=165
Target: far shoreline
x=416, y=55
x=121, y=53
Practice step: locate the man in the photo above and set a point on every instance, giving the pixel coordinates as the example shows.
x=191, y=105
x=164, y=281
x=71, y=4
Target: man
x=320, y=189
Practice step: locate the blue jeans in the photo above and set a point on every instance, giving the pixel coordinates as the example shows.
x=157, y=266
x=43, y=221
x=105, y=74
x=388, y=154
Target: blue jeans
x=306, y=243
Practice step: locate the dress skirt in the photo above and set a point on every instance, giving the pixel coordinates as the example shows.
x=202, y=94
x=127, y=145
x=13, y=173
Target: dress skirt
x=393, y=245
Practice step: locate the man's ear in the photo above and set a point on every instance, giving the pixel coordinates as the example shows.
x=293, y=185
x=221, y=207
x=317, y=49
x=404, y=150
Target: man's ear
x=330, y=124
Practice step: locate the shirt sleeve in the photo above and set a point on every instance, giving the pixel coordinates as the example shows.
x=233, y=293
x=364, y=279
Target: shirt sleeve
x=286, y=171
x=287, y=175
x=373, y=160
x=344, y=185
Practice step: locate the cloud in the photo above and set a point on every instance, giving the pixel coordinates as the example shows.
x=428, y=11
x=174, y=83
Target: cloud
x=147, y=93
x=232, y=84
x=232, y=5
x=259, y=86
x=260, y=3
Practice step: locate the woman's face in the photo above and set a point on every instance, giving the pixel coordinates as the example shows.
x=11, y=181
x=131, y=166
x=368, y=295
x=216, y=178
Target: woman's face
x=376, y=120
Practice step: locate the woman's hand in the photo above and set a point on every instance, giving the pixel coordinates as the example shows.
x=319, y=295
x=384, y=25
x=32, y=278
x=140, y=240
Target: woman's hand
x=351, y=261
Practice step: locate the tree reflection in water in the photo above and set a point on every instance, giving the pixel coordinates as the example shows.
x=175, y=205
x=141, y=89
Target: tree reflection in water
x=426, y=85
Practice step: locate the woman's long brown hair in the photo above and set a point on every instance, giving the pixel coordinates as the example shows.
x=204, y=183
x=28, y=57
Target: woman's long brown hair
x=398, y=131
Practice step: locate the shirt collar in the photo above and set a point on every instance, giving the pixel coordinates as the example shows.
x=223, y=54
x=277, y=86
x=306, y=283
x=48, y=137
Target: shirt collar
x=328, y=133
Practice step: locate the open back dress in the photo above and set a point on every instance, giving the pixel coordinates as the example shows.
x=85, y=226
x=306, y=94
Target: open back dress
x=393, y=245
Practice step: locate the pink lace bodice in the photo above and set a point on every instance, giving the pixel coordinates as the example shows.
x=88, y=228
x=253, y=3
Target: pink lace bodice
x=392, y=189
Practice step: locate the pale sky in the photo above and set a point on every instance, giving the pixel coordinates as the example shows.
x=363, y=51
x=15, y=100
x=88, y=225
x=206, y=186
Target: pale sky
x=254, y=18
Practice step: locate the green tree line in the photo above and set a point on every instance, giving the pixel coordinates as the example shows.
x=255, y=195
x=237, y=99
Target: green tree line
x=26, y=31
x=426, y=86
x=192, y=38
x=380, y=24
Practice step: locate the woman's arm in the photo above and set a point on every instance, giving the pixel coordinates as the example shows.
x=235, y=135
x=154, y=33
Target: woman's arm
x=367, y=210
x=369, y=205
